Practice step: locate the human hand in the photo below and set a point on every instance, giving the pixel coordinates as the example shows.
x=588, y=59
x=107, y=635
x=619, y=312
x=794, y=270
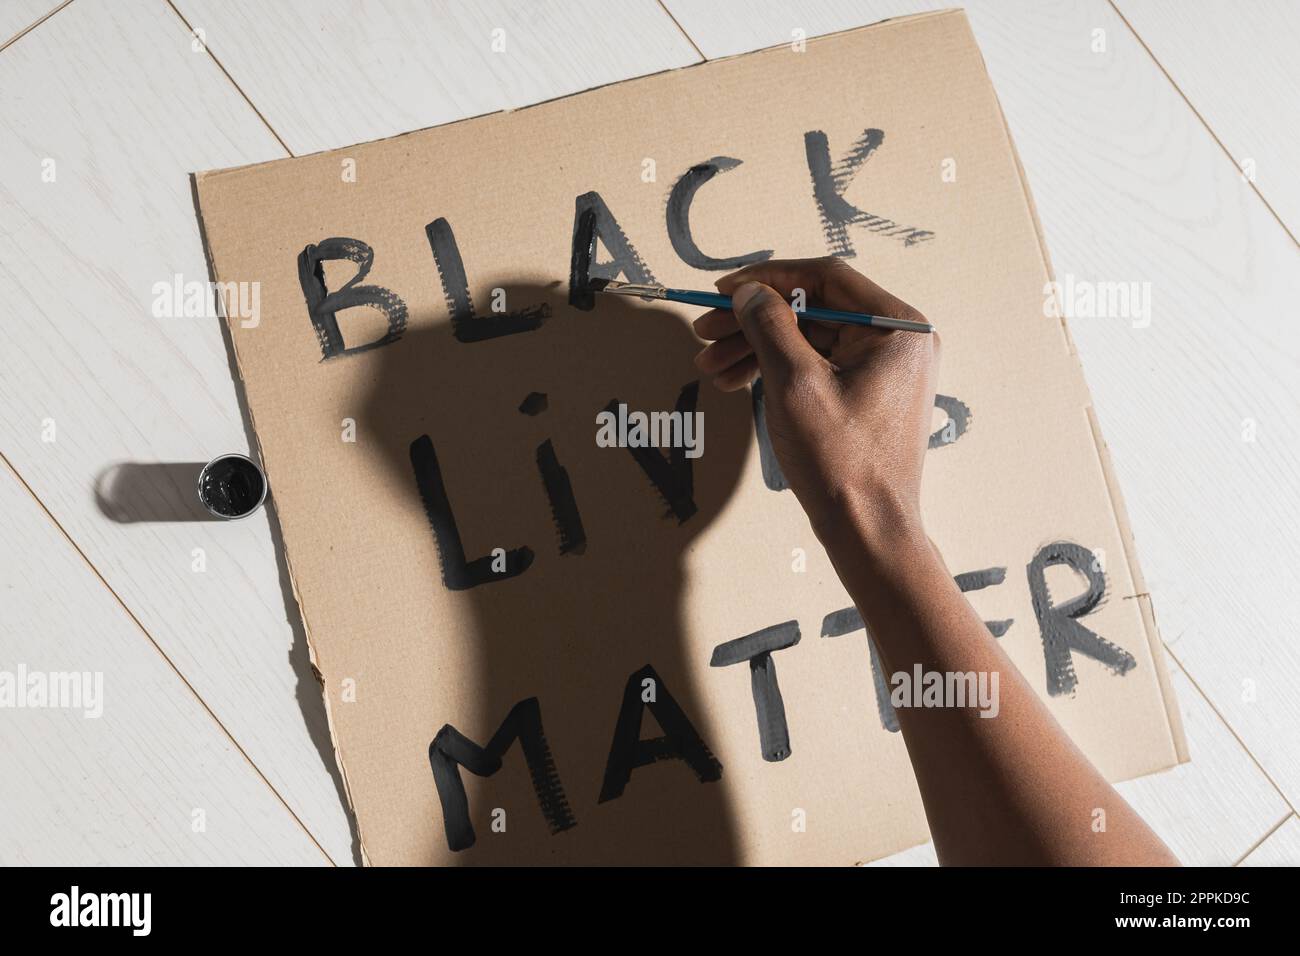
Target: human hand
x=848, y=407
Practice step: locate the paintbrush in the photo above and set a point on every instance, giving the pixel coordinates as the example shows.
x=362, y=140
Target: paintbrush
x=715, y=300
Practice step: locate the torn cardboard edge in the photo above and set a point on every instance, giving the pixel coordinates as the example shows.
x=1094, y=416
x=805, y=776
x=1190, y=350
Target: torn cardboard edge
x=1119, y=514
x=273, y=516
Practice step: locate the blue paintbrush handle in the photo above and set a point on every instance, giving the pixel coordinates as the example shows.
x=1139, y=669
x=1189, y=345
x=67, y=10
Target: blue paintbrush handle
x=710, y=300
x=715, y=300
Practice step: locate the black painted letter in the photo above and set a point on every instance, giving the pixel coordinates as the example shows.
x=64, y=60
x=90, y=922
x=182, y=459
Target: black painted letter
x=831, y=181
x=457, y=573
x=846, y=621
x=559, y=492
x=323, y=306
x=969, y=581
x=465, y=325
x=757, y=648
x=451, y=750
x=674, y=476
x=1062, y=633
x=680, y=741
x=773, y=477
x=592, y=220
x=679, y=218
x=958, y=413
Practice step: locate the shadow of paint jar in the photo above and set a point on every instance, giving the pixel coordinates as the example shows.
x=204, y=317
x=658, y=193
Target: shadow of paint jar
x=232, y=486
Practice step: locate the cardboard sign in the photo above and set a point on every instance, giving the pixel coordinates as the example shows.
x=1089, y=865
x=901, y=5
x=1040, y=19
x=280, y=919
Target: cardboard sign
x=542, y=644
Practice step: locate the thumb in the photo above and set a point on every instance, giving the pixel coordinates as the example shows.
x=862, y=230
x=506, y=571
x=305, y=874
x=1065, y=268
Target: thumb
x=772, y=330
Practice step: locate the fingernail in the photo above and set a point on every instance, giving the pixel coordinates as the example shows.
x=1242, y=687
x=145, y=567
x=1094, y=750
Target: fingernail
x=742, y=295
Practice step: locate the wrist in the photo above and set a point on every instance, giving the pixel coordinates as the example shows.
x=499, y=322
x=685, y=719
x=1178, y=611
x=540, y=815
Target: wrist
x=880, y=522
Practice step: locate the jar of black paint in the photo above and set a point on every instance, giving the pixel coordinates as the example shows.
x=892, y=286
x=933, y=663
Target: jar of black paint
x=232, y=486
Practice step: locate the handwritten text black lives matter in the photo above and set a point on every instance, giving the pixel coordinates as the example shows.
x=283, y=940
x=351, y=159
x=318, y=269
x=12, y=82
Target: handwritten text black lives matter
x=1059, y=626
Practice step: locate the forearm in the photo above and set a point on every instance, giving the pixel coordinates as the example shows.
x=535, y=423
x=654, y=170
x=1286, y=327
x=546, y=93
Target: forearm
x=1007, y=789
x=849, y=408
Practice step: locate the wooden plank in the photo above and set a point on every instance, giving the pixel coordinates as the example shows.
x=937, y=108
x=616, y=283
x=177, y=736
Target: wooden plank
x=153, y=779
x=1282, y=848
x=1210, y=811
x=18, y=16
x=1131, y=187
x=115, y=98
x=727, y=27
x=325, y=75
x=922, y=855
x=1236, y=64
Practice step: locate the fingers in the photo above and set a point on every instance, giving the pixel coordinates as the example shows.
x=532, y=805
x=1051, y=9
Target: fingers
x=827, y=281
x=723, y=354
x=772, y=330
x=738, y=376
x=720, y=323
x=724, y=358
x=716, y=324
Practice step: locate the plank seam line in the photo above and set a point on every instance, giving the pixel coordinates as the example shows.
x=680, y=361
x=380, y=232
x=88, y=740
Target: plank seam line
x=1262, y=840
x=143, y=630
x=1197, y=113
x=32, y=26
x=1235, y=736
x=682, y=30
x=238, y=88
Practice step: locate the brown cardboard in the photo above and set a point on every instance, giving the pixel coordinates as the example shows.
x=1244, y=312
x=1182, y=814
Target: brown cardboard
x=401, y=655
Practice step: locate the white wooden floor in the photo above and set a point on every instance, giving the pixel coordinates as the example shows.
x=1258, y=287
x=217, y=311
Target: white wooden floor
x=212, y=746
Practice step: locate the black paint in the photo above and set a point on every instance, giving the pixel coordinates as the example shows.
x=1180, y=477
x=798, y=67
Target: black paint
x=674, y=476
x=534, y=403
x=846, y=621
x=1061, y=631
x=451, y=750
x=999, y=627
x=679, y=219
x=581, y=255
x=231, y=486
x=979, y=580
x=884, y=704
x=457, y=573
x=592, y=220
x=831, y=181
x=564, y=509
x=956, y=410
x=680, y=741
x=757, y=648
x=958, y=413
x=323, y=306
x=841, y=622
x=465, y=324
x=773, y=477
